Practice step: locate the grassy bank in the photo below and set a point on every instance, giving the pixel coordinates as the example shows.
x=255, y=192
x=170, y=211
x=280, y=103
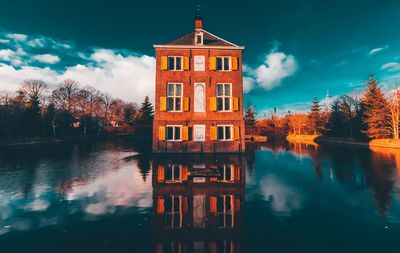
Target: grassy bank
x=383, y=143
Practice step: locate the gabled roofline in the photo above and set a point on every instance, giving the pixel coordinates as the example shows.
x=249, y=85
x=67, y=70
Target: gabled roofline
x=220, y=38
x=231, y=45
x=199, y=47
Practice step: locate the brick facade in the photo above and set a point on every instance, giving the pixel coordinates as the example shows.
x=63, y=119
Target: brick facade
x=188, y=78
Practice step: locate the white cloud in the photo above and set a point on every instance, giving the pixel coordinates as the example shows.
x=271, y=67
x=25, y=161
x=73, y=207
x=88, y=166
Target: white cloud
x=4, y=41
x=47, y=58
x=17, y=36
x=14, y=57
x=6, y=54
x=377, y=50
x=11, y=78
x=391, y=66
x=37, y=43
x=281, y=197
x=248, y=84
x=276, y=67
x=128, y=77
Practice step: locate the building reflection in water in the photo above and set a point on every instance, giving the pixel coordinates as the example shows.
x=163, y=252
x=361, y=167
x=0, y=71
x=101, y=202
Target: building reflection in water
x=198, y=203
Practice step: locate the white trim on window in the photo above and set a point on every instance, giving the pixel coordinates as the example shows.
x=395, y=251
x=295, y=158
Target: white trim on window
x=173, y=133
x=174, y=212
x=223, y=63
x=223, y=96
x=224, y=133
x=222, y=214
x=197, y=35
x=174, y=67
x=174, y=97
x=172, y=179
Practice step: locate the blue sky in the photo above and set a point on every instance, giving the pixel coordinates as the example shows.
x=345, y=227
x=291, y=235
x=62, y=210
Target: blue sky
x=295, y=50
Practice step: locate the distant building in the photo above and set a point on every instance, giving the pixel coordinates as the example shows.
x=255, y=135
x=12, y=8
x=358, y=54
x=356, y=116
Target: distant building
x=199, y=94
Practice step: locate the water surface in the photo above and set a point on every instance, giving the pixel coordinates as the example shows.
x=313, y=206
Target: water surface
x=115, y=196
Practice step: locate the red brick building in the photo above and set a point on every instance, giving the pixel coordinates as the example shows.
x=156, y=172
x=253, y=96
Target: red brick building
x=199, y=95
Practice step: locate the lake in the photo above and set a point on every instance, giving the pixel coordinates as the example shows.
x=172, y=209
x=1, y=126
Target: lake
x=115, y=196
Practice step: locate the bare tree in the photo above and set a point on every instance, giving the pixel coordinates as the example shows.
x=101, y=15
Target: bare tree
x=5, y=97
x=33, y=89
x=297, y=122
x=393, y=97
x=106, y=100
x=64, y=97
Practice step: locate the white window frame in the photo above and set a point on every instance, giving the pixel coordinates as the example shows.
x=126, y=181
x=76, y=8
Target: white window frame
x=223, y=96
x=173, y=132
x=172, y=212
x=201, y=38
x=174, y=67
x=173, y=180
x=223, y=63
x=174, y=97
x=227, y=167
x=226, y=212
x=224, y=132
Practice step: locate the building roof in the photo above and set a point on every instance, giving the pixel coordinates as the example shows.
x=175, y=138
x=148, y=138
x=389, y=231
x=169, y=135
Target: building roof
x=209, y=41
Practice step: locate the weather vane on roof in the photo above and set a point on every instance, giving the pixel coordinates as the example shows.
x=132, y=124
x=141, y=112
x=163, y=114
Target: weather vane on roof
x=198, y=9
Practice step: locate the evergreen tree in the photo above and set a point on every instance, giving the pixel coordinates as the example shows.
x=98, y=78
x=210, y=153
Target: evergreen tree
x=250, y=115
x=347, y=117
x=376, y=114
x=146, y=112
x=315, y=117
x=334, y=124
x=32, y=118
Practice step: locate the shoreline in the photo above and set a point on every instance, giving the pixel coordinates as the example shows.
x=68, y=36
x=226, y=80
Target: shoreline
x=321, y=140
x=70, y=139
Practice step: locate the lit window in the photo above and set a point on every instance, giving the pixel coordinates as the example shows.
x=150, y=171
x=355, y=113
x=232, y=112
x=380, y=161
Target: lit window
x=173, y=133
x=173, y=211
x=224, y=96
x=173, y=174
x=225, y=218
x=223, y=63
x=174, y=97
x=224, y=133
x=175, y=63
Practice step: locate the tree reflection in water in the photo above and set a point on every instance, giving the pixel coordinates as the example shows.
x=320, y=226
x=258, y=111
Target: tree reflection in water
x=354, y=167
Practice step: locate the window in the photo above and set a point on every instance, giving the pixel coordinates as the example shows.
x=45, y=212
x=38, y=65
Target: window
x=173, y=133
x=225, y=173
x=173, y=174
x=175, y=63
x=199, y=39
x=225, y=246
x=173, y=211
x=224, y=96
x=225, y=211
x=223, y=63
x=174, y=97
x=224, y=133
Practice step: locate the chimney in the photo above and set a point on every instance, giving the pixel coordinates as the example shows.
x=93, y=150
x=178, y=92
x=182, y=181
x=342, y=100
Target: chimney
x=198, y=23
